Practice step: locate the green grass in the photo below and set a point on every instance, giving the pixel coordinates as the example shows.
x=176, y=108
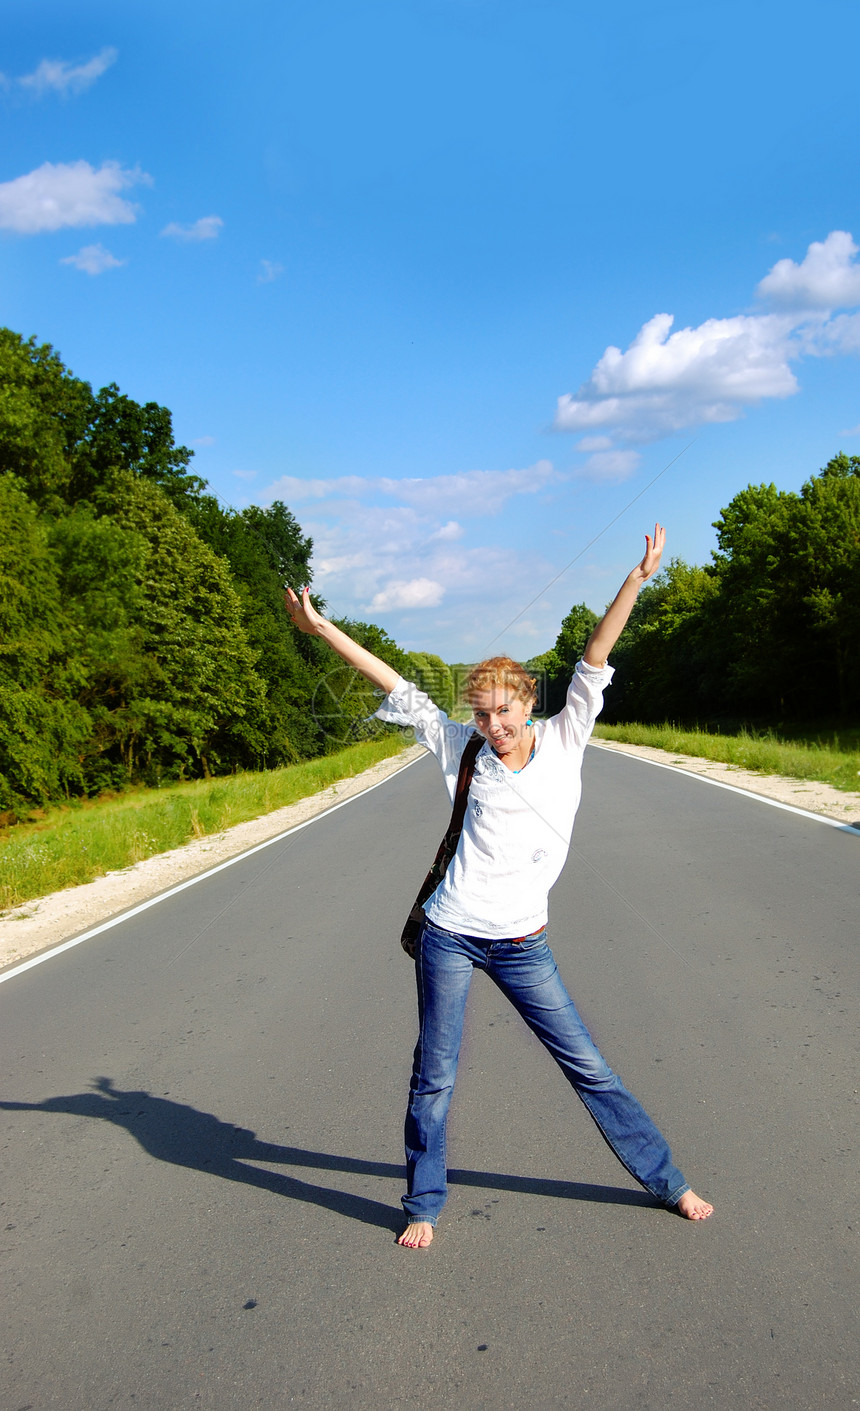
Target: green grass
x=833, y=759
x=84, y=841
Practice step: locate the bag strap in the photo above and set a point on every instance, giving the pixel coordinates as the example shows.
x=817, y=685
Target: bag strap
x=447, y=847
x=464, y=780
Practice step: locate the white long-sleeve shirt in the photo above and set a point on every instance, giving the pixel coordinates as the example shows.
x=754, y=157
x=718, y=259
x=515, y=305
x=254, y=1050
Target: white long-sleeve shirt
x=518, y=826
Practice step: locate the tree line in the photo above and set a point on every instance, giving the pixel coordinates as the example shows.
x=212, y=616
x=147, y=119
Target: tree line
x=143, y=636
x=767, y=634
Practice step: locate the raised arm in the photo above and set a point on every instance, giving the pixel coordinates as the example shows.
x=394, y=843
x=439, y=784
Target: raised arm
x=611, y=625
x=307, y=619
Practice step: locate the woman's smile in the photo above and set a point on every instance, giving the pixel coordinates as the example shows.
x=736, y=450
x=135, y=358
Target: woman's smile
x=503, y=718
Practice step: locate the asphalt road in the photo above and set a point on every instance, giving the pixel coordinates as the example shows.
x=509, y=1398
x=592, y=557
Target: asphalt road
x=203, y=1106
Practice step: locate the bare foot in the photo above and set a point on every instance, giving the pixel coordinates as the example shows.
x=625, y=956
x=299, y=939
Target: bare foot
x=417, y=1235
x=692, y=1207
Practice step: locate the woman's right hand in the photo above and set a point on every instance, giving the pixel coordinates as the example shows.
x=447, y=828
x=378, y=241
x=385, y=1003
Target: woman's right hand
x=307, y=619
x=302, y=612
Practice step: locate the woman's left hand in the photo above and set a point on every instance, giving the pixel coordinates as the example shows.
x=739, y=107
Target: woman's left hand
x=653, y=552
x=302, y=612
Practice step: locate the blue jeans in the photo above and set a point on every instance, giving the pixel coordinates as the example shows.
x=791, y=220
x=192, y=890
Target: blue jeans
x=526, y=972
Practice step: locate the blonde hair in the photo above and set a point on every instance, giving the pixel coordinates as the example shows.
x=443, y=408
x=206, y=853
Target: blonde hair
x=500, y=671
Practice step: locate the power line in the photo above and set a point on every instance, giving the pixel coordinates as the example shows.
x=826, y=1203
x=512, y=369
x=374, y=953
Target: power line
x=585, y=549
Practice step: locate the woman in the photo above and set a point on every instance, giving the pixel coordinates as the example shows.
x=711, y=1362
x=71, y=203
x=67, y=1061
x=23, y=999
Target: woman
x=490, y=910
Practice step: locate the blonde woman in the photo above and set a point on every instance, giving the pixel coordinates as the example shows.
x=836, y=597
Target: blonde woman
x=489, y=912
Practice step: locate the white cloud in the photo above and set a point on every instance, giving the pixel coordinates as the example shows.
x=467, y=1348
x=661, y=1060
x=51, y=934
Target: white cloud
x=414, y=593
x=469, y=492
x=851, y=430
x=270, y=270
x=665, y=381
x=64, y=77
x=360, y=549
x=68, y=194
x=245, y=474
x=472, y=491
x=293, y=488
x=204, y=441
x=364, y=554
x=93, y=259
x=828, y=277
x=611, y=465
x=449, y=532
x=594, y=443
x=837, y=335
x=206, y=228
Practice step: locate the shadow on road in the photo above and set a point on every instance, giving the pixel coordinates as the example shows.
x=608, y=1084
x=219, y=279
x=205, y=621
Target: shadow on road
x=184, y=1136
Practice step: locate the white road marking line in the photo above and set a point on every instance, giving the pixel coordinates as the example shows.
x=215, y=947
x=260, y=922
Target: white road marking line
x=192, y=881
x=732, y=788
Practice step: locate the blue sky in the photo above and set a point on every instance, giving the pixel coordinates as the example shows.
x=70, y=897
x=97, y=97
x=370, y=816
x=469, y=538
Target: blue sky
x=455, y=279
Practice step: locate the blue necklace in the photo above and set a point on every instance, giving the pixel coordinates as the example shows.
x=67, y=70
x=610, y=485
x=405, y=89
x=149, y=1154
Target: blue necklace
x=528, y=761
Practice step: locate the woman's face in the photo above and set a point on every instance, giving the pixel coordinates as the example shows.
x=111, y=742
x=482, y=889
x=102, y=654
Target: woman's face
x=501, y=717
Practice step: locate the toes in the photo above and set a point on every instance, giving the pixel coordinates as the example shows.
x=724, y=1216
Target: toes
x=417, y=1235
x=693, y=1207
x=701, y=1211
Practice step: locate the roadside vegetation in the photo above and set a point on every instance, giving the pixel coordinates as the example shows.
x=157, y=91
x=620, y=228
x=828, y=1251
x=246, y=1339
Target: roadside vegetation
x=833, y=759
x=84, y=840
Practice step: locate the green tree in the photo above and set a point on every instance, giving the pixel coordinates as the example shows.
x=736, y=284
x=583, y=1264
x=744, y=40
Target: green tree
x=343, y=703
x=122, y=434
x=63, y=441
x=100, y=566
x=44, y=411
x=767, y=634
x=663, y=659
x=576, y=628
x=758, y=601
x=43, y=728
x=827, y=546
x=266, y=549
x=287, y=547
x=553, y=669
x=431, y=674
x=202, y=703
x=789, y=585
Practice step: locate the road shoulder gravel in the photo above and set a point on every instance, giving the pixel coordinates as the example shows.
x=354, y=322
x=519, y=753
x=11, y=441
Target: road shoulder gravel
x=37, y=925
x=807, y=794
